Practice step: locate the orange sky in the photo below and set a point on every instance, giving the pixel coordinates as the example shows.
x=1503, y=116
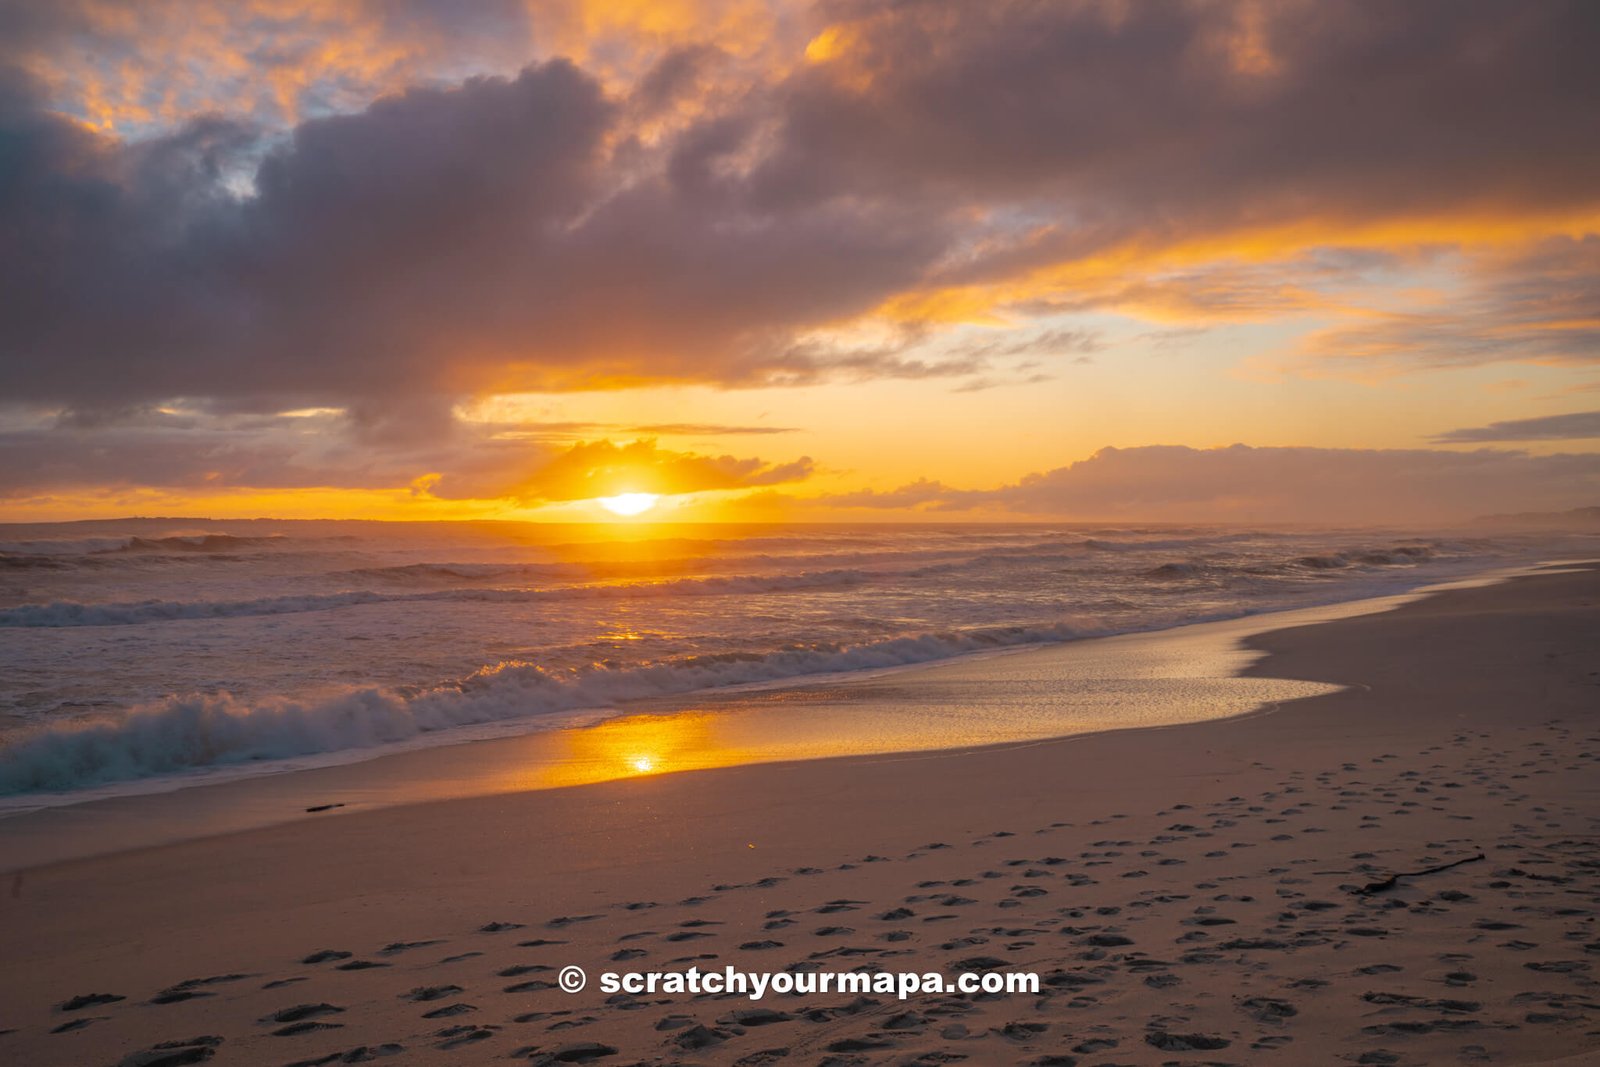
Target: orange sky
x=790, y=261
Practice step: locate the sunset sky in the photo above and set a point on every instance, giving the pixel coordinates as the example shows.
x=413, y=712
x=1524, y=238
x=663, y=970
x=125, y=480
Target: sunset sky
x=933, y=260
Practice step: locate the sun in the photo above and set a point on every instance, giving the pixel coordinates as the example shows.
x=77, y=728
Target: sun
x=643, y=764
x=629, y=503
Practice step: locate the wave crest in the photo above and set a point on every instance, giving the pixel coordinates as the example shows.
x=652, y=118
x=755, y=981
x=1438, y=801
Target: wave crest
x=1212, y=565
x=193, y=732
x=65, y=613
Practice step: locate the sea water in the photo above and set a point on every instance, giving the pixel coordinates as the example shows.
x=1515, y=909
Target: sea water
x=156, y=648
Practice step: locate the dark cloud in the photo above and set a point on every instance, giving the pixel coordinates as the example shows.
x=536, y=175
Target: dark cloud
x=441, y=241
x=132, y=271
x=184, y=457
x=1178, y=116
x=113, y=62
x=682, y=73
x=1240, y=483
x=1573, y=426
x=480, y=237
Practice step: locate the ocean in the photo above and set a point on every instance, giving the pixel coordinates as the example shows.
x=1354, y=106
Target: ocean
x=180, y=649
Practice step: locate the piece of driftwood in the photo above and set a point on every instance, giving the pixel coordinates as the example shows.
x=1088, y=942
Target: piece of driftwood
x=1394, y=879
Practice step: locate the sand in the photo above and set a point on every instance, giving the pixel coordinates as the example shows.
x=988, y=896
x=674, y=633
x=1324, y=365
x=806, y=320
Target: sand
x=1187, y=893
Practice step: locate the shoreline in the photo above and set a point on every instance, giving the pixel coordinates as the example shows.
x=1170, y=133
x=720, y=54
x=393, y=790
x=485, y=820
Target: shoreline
x=1426, y=755
x=84, y=762
x=808, y=718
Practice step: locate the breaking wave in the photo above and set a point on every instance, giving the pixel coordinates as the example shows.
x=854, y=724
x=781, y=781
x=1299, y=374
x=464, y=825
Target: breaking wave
x=72, y=553
x=1210, y=566
x=207, y=730
x=199, y=543
x=71, y=613
x=100, y=546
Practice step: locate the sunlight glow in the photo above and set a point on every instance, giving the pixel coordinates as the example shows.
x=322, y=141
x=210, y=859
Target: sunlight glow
x=643, y=764
x=629, y=503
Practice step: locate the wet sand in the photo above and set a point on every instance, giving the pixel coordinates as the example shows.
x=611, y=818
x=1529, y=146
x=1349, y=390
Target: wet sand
x=1187, y=893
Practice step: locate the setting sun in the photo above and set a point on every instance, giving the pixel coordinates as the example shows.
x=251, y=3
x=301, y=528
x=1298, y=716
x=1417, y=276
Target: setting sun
x=629, y=503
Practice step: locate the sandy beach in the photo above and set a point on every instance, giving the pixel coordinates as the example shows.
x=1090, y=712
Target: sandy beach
x=1187, y=893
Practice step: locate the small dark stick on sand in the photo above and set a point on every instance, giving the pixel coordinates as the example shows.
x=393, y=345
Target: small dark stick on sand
x=1394, y=879
x=325, y=807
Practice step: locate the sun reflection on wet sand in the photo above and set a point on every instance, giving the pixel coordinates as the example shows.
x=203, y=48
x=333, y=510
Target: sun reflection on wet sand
x=1132, y=680
x=629, y=747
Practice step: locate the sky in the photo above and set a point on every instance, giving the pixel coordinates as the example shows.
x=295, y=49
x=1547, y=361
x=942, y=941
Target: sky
x=754, y=260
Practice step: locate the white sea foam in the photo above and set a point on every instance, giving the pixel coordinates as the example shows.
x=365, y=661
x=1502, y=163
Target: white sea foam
x=185, y=733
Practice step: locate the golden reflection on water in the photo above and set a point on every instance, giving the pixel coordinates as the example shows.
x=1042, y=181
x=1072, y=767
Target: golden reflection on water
x=629, y=747
x=753, y=727
x=1131, y=681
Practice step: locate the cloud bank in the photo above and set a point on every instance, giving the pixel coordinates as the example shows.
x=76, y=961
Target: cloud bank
x=1268, y=485
x=449, y=202
x=519, y=232
x=1573, y=426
